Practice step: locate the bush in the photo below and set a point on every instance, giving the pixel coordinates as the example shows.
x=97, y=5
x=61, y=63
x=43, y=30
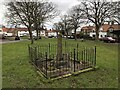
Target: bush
x=35, y=37
x=86, y=36
x=81, y=35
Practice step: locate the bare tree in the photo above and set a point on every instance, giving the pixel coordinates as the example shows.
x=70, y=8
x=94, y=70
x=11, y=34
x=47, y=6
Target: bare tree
x=43, y=12
x=31, y=14
x=58, y=26
x=97, y=12
x=22, y=12
x=75, y=19
x=116, y=16
x=66, y=24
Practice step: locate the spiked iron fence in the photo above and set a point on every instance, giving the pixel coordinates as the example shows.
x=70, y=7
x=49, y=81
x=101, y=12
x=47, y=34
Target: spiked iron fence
x=44, y=57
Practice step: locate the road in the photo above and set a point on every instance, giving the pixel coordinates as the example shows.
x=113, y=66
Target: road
x=8, y=41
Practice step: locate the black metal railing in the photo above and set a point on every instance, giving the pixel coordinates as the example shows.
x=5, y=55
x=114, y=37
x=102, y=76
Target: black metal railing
x=73, y=60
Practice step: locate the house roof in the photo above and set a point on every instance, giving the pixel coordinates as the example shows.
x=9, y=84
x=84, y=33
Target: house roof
x=105, y=27
x=13, y=29
x=87, y=28
x=6, y=29
x=22, y=29
x=50, y=31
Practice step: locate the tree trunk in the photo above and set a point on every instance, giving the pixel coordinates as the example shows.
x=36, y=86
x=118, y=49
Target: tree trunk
x=97, y=33
x=36, y=28
x=31, y=37
x=66, y=34
x=37, y=33
x=75, y=34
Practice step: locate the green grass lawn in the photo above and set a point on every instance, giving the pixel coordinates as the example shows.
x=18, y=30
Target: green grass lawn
x=18, y=72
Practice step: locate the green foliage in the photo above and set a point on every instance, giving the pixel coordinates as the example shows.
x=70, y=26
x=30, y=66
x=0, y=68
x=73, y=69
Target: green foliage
x=19, y=73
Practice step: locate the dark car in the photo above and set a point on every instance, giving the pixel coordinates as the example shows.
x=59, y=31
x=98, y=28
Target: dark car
x=50, y=36
x=108, y=39
x=17, y=38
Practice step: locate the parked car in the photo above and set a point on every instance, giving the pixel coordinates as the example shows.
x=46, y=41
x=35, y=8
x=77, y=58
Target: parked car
x=108, y=39
x=17, y=38
x=50, y=36
x=117, y=39
x=71, y=37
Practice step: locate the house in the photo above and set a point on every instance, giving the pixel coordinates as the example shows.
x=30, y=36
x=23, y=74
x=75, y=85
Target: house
x=18, y=32
x=22, y=32
x=112, y=30
x=105, y=30
x=7, y=31
x=53, y=33
x=87, y=29
x=102, y=31
x=43, y=32
x=14, y=31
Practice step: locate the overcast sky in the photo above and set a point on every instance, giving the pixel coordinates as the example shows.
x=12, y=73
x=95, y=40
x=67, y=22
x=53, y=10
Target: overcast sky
x=2, y=11
x=63, y=6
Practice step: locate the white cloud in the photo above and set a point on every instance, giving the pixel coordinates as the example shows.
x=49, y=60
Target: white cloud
x=64, y=5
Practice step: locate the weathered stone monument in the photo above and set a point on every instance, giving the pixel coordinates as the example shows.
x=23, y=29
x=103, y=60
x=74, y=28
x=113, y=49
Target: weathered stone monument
x=59, y=47
x=61, y=62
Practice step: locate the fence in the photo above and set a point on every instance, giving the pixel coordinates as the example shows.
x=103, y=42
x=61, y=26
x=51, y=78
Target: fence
x=44, y=57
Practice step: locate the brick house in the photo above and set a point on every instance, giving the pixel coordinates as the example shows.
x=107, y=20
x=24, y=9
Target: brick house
x=105, y=30
x=19, y=32
x=51, y=32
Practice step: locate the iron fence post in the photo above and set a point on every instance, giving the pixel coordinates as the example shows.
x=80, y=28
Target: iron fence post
x=86, y=54
x=65, y=46
x=95, y=57
x=49, y=50
x=71, y=60
x=35, y=56
x=46, y=62
x=74, y=60
x=29, y=51
x=77, y=51
x=84, y=57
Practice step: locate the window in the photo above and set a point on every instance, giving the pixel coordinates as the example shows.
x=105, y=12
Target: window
x=101, y=36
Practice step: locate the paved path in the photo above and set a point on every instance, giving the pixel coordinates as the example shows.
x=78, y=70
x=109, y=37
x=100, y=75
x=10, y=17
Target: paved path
x=7, y=41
